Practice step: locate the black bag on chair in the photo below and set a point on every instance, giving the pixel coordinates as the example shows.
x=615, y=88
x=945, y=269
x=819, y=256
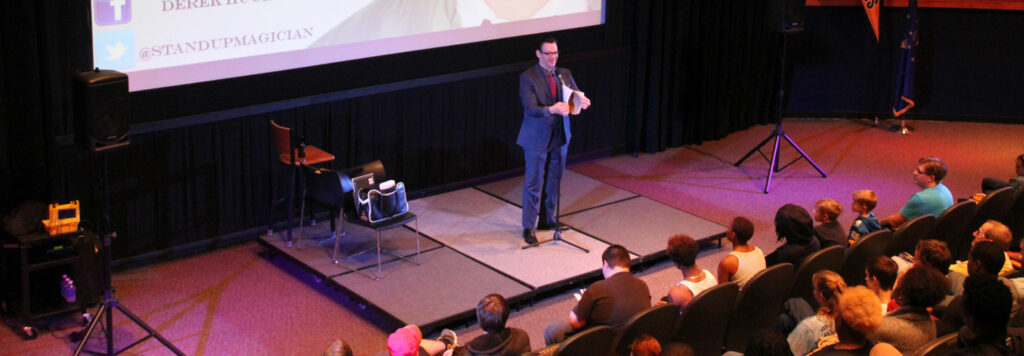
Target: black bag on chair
x=383, y=202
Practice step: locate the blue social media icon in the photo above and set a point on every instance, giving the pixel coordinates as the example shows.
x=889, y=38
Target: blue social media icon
x=114, y=49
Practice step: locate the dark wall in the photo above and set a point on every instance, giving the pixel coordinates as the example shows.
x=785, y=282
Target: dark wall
x=968, y=64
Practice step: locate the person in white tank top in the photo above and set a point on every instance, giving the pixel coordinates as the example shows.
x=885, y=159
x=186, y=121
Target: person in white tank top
x=745, y=260
x=683, y=251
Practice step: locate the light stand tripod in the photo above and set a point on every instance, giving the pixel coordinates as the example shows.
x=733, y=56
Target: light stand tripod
x=557, y=237
x=106, y=311
x=778, y=133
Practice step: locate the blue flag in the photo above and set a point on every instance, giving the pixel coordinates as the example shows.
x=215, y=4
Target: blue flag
x=905, y=76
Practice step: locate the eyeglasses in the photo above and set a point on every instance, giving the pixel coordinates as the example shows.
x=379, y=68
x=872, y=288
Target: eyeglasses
x=555, y=53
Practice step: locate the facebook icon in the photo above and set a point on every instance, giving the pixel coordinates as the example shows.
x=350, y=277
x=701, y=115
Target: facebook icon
x=112, y=12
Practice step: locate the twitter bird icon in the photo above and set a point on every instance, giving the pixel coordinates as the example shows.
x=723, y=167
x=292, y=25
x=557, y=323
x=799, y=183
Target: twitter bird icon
x=113, y=49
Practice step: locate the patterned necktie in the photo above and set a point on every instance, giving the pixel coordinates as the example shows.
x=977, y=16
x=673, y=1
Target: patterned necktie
x=551, y=83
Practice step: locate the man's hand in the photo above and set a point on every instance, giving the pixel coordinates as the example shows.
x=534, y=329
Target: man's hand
x=584, y=102
x=559, y=108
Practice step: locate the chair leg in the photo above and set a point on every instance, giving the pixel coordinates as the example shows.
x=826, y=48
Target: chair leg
x=417, y=224
x=337, y=236
x=379, y=270
x=302, y=215
x=273, y=198
x=291, y=207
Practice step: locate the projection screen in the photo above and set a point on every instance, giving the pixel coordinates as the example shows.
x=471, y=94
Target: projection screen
x=161, y=43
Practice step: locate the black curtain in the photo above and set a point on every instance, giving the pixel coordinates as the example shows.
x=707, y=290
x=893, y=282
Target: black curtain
x=661, y=74
x=704, y=69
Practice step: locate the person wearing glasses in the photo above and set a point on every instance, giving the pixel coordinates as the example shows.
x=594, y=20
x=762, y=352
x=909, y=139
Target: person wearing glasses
x=934, y=197
x=544, y=135
x=990, y=184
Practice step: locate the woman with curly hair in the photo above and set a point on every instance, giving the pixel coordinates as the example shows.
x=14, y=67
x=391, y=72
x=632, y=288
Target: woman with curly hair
x=858, y=312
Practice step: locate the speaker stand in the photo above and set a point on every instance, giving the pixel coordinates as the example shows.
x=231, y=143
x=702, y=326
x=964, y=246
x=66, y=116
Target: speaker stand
x=779, y=133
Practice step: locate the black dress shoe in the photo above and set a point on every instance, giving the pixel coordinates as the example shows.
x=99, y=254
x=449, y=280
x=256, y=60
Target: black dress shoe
x=529, y=236
x=546, y=226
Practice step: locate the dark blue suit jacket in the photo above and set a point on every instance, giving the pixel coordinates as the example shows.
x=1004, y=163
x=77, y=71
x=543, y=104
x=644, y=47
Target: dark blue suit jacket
x=535, y=93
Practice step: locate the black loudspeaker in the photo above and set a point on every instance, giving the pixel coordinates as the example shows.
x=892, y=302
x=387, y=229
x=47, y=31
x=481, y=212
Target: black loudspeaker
x=101, y=110
x=787, y=16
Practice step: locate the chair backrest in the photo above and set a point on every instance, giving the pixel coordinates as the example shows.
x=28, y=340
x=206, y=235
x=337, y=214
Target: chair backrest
x=594, y=341
x=326, y=187
x=282, y=138
x=1014, y=218
x=952, y=223
x=758, y=304
x=830, y=258
x=941, y=346
x=656, y=322
x=702, y=323
x=857, y=256
x=994, y=206
x=905, y=239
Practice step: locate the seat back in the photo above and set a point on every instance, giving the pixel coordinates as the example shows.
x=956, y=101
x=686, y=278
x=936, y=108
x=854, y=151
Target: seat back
x=858, y=255
x=1014, y=218
x=326, y=187
x=758, y=304
x=702, y=323
x=905, y=239
x=830, y=258
x=656, y=322
x=942, y=346
x=952, y=223
x=282, y=138
x=994, y=206
x=594, y=341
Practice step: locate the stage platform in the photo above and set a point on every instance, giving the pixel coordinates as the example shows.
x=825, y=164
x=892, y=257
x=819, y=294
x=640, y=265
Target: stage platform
x=471, y=246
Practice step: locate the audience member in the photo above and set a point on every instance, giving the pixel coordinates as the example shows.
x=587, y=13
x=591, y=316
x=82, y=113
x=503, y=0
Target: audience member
x=858, y=312
x=611, y=301
x=911, y=326
x=677, y=349
x=987, y=303
x=933, y=198
x=990, y=184
x=996, y=232
x=338, y=348
x=497, y=340
x=406, y=342
x=744, y=261
x=793, y=223
x=829, y=232
x=984, y=257
x=766, y=342
x=827, y=287
x=645, y=345
x=864, y=201
x=933, y=254
x=880, y=276
x=683, y=251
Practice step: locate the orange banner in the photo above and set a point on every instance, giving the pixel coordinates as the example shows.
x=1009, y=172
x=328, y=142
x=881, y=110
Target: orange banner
x=955, y=4
x=871, y=9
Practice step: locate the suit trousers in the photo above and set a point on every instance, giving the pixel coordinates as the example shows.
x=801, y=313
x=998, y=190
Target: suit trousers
x=535, y=181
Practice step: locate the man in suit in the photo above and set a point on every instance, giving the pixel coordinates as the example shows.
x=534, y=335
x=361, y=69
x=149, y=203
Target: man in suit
x=544, y=135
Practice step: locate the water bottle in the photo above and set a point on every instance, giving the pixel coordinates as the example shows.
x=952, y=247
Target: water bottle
x=67, y=289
